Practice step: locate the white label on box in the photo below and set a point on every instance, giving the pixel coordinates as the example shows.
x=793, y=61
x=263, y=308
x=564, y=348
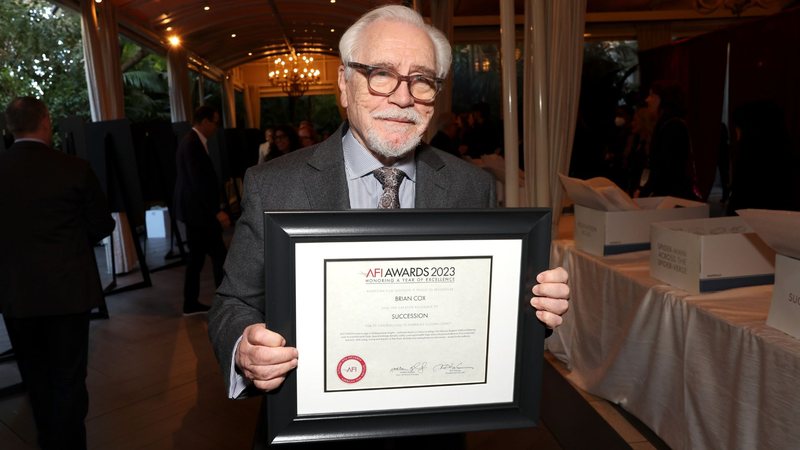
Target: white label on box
x=784, y=312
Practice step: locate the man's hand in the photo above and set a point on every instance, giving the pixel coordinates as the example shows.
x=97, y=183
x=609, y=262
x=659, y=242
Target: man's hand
x=551, y=296
x=263, y=358
x=223, y=219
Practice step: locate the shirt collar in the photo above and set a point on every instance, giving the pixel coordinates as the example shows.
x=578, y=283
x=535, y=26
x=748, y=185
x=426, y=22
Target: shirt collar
x=29, y=139
x=203, y=139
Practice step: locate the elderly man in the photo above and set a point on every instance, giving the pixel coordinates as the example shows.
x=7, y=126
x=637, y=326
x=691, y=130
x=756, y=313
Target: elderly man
x=388, y=88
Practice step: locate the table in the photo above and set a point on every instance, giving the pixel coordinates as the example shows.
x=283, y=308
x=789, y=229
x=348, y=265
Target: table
x=702, y=371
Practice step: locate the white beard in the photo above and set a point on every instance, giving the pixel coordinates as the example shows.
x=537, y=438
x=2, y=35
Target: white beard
x=389, y=149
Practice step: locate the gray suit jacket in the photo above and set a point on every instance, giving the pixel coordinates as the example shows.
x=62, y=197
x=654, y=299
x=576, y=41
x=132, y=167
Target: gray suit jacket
x=314, y=179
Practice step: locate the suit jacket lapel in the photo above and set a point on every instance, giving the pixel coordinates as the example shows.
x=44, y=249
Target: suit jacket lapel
x=326, y=183
x=432, y=189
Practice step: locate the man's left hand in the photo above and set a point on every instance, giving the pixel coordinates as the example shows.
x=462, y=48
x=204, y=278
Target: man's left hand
x=551, y=296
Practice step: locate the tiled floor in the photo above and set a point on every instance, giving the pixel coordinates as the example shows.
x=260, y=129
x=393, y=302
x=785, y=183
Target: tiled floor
x=154, y=384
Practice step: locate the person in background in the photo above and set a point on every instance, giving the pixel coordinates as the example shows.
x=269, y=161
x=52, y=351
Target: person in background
x=264, y=148
x=392, y=68
x=614, y=155
x=285, y=141
x=448, y=136
x=637, y=149
x=482, y=137
x=307, y=134
x=671, y=166
x=199, y=205
x=56, y=212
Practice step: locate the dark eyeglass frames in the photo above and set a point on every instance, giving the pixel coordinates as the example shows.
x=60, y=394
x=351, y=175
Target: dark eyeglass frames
x=384, y=81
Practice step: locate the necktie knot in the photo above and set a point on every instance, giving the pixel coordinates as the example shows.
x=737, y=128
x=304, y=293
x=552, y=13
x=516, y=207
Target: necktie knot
x=390, y=178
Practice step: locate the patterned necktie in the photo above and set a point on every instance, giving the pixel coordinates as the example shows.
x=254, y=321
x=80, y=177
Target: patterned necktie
x=390, y=179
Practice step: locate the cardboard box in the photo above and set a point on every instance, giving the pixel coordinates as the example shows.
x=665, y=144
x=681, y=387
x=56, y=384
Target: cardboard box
x=157, y=223
x=611, y=232
x=784, y=312
x=705, y=255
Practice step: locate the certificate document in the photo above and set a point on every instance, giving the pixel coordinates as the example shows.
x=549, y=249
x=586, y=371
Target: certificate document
x=406, y=322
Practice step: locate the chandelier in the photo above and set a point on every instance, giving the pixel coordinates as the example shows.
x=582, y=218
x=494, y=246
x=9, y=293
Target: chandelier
x=294, y=74
x=737, y=7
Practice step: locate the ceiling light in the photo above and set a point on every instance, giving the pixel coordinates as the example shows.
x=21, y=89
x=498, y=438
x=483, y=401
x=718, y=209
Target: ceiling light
x=206, y=8
x=169, y=28
x=333, y=1
x=296, y=79
x=333, y=30
x=174, y=41
x=233, y=35
x=249, y=53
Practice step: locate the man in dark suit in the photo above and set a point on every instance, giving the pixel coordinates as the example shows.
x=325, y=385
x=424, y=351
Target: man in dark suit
x=388, y=88
x=198, y=205
x=49, y=282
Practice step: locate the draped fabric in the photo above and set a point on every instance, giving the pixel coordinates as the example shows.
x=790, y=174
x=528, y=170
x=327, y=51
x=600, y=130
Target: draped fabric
x=650, y=35
x=442, y=18
x=180, y=101
x=101, y=54
x=553, y=62
x=698, y=66
x=228, y=101
x=764, y=65
x=508, y=103
x=252, y=104
x=702, y=371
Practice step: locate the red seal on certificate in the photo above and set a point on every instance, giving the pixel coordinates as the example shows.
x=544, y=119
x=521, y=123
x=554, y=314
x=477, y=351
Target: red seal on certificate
x=351, y=369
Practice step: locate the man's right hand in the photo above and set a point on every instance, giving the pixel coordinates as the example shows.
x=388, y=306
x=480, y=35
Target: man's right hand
x=263, y=358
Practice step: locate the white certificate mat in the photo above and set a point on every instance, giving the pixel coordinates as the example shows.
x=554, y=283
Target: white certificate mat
x=442, y=332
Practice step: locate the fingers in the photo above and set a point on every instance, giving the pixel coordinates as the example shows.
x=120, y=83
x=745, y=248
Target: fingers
x=551, y=290
x=549, y=319
x=551, y=296
x=557, y=275
x=259, y=334
x=263, y=358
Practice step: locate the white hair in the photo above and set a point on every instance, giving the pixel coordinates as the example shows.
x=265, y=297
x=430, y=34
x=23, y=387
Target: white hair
x=351, y=39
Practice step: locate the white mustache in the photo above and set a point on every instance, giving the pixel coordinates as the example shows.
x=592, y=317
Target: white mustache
x=398, y=114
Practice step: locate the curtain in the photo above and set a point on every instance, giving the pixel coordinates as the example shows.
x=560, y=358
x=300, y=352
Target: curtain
x=765, y=66
x=698, y=66
x=553, y=62
x=442, y=18
x=228, y=101
x=508, y=104
x=653, y=34
x=101, y=54
x=252, y=101
x=180, y=102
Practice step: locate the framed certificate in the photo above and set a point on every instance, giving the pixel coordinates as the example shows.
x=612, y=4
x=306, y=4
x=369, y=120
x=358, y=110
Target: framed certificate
x=407, y=322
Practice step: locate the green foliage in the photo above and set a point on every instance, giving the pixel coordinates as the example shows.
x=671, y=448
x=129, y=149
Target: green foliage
x=476, y=76
x=145, y=83
x=41, y=55
x=607, y=81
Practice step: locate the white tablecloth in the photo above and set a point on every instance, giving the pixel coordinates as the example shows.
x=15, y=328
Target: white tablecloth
x=702, y=371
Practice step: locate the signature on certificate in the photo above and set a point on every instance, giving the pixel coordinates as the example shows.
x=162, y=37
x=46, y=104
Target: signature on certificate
x=414, y=369
x=457, y=367
x=418, y=368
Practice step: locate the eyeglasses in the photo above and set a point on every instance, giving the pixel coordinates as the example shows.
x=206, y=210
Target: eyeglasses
x=383, y=81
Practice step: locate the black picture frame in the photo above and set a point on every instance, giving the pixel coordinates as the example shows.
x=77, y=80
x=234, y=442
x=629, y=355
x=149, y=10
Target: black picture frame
x=283, y=230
